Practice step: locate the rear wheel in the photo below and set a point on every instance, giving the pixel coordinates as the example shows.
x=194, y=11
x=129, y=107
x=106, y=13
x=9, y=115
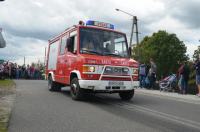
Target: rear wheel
x=53, y=86
x=76, y=92
x=127, y=95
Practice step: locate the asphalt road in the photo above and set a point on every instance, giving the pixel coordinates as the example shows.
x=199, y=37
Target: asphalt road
x=38, y=110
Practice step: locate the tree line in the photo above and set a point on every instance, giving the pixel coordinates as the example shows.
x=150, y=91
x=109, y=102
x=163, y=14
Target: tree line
x=166, y=49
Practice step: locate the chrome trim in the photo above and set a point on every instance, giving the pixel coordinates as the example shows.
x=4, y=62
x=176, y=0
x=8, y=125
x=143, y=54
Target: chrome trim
x=116, y=76
x=128, y=76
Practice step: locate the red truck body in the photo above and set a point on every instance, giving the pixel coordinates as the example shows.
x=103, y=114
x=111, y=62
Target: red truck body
x=91, y=58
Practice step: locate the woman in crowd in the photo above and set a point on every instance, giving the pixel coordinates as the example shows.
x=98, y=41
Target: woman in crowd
x=197, y=68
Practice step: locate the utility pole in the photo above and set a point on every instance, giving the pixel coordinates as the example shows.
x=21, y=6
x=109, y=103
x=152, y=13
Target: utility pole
x=136, y=28
x=137, y=38
x=132, y=29
x=134, y=24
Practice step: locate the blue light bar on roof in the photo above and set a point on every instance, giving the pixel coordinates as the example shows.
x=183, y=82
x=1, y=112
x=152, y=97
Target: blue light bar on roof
x=99, y=24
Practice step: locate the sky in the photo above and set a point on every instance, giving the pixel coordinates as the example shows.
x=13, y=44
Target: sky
x=29, y=24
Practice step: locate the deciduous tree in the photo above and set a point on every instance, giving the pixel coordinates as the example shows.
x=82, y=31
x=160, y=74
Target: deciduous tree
x=165, y=49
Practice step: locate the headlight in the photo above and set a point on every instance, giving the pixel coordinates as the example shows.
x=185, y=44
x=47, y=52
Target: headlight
x=135, y=71
x=87, y=68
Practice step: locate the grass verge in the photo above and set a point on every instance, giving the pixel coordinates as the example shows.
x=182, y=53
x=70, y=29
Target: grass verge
x=6, y=84
x=6, y=89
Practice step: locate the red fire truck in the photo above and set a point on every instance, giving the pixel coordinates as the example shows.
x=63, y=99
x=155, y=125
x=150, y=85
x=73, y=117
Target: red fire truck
x=91, y=57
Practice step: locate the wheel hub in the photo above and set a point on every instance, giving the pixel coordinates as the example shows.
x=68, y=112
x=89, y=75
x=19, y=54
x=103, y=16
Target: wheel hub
x=49, y=84
x=74, y=88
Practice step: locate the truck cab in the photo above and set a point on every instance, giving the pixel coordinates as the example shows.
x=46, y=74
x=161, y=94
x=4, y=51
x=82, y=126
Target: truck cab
x=91, y=57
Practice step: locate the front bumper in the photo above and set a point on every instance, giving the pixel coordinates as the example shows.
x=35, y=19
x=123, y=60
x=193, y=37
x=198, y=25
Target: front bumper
x=103, y=85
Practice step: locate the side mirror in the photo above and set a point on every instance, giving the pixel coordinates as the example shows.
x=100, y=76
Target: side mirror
x=2, y=41
x=130, y=51
x=75, y=51
x=68, y=45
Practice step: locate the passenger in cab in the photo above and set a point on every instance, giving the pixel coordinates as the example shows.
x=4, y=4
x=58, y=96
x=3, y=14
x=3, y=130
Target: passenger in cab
x=88, y=45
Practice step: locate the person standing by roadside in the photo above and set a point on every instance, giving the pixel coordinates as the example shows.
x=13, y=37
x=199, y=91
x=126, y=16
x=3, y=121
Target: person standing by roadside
x=152, y=72
x=1, y=71
x=23, y=69
x=6, y=70
x=142, y=75
x=13, y=70
x=197, y=68
x=17, y=72
x=180, y=77
x=10, y=70
x=186, y=73
x=28, y=72
x=32, y=71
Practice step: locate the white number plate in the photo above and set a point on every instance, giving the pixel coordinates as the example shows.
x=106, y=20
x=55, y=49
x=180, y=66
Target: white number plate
x=116, y=83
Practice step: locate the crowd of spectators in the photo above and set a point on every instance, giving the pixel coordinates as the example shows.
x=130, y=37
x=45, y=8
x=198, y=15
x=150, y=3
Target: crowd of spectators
x=11, y=70
x=173, y=82
x=147, y=75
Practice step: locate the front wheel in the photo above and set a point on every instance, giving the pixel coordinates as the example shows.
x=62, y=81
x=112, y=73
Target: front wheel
x=53, y=86
x=126, y=95
x=76, y=92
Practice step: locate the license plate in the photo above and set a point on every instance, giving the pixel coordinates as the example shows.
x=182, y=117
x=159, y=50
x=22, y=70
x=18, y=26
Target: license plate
x=116, y=83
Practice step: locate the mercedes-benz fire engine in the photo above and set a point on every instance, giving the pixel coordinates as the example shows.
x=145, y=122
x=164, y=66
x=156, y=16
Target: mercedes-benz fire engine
x=91, y=57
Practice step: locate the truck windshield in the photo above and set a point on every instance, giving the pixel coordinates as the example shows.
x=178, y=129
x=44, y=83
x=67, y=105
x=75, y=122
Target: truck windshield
x=102, y=42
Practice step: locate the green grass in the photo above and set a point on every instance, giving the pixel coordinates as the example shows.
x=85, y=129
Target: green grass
x=4, y=116
x=6, y=83
x=3, y=128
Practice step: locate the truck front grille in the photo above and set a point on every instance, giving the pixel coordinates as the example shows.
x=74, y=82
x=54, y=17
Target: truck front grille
x=116, y=71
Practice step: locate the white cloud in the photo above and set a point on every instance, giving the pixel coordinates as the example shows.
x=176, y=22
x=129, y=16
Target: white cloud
x=190, y=49
x=19, y=47
x=28, y=24
x=171, y=25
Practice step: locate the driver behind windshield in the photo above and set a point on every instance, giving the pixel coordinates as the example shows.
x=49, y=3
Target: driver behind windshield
x=91, y=44
x=100, y=42
x=88, y=45
x=107, y=48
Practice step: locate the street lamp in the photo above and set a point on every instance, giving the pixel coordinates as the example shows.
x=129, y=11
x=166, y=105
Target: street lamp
x=134, y=22
x=125, y=12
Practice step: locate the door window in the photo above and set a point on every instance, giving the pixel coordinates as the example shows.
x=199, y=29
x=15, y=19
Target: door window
x=63, y=45
x=73, y=42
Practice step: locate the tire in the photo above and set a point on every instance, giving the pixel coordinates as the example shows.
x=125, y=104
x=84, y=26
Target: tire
x=53, y=86
x=76, y=92
x=127, y=95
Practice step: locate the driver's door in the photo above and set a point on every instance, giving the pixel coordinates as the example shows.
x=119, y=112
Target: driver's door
x=71, y=54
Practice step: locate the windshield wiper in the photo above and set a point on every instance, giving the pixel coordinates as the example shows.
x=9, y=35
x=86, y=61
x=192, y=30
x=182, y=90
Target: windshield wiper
x=90, y=51
x=111, y=54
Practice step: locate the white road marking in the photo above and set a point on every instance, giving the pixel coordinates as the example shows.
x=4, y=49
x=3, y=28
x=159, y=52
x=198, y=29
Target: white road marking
x=155, y=113
x=171, y=98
